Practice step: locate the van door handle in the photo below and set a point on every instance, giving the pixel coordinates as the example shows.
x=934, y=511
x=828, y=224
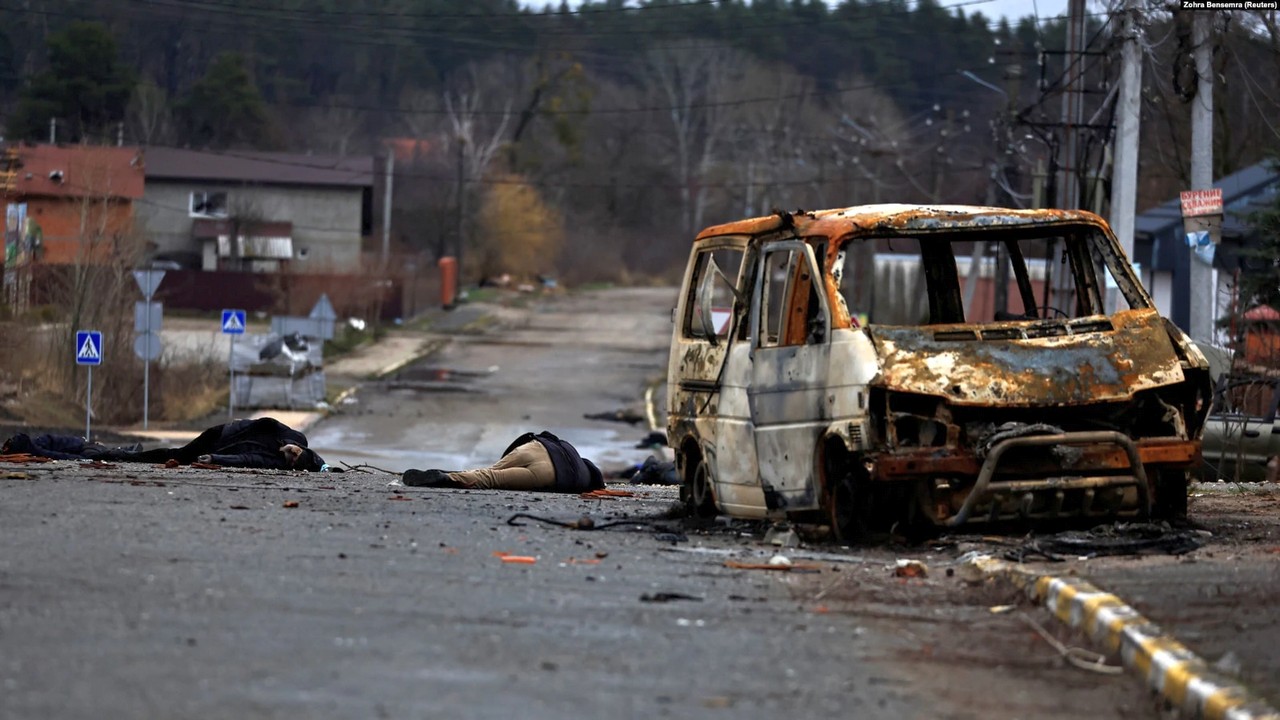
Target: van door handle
x=1253, y=433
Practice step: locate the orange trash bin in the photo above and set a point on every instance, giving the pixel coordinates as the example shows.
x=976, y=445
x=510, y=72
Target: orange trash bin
x=448, y=281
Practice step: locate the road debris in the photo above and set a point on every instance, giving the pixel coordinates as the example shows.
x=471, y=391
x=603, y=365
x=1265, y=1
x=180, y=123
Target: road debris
x=1077, y=656
x=15, y=476
x=787, y=566
x=605, y=493
x=625, y=416
x=97, y=465
x=665, y=597
x=290, y=503
x=1117, y=539
x=652, y=472
x=910, y=569
x=782, y=535
x=21, y=458
x=516, y=559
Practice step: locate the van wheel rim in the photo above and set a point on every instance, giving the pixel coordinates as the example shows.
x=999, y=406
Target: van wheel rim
x=700, y=494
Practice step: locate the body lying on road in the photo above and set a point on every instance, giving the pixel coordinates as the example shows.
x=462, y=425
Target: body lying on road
x=259, y=443
x=530, y=462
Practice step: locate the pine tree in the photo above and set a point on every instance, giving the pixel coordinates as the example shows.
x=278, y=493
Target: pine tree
x=86, y=88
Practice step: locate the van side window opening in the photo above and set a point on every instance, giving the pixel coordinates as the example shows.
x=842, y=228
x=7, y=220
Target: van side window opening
x=790, y=311
x=779, y=269
x=724, y=265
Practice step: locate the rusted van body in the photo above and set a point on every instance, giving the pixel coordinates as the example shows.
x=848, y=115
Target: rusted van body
x=839, y=366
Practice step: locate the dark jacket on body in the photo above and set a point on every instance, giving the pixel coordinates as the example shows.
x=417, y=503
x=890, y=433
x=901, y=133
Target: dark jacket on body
x=242, y=443
x=573, y=473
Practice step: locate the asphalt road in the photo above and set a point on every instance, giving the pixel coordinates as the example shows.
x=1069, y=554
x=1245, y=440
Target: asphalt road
x=141, y=592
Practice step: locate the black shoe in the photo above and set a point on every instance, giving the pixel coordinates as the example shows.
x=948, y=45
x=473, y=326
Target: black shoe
x=428, y=478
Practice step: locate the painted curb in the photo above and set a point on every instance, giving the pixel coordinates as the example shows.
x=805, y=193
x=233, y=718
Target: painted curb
x=1168, y=667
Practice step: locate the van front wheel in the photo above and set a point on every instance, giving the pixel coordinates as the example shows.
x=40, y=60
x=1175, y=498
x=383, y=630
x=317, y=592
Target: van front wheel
x=696, y=491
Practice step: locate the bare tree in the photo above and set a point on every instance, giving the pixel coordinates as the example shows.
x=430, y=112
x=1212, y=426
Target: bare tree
x=474, y=134
x=692, y=84
x=150, y=116
x=779, y=133
x=332, y=127
x=97, y=290
x=875, y=142
x=421, y=112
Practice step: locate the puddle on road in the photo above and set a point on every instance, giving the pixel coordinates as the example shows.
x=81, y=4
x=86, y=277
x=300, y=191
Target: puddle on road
x=439, y=379
x=444, y=373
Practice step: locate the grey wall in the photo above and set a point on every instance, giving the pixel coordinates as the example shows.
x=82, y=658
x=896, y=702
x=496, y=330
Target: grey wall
x=326, y=220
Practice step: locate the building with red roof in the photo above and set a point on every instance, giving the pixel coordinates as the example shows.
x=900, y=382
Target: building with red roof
x=69, y=204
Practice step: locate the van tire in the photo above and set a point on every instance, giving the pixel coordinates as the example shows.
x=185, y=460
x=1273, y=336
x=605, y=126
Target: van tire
x=1170, y=502
x=699, y=499
x=847, y=523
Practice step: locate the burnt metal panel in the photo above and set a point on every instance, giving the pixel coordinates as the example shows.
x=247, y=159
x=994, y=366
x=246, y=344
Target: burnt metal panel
x=1058, y=370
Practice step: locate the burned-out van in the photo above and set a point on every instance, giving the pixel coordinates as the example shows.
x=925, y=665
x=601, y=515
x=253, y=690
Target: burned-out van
x=948, y=364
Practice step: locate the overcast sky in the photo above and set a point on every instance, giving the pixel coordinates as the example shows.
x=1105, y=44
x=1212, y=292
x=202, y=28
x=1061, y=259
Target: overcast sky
x=1014, y=9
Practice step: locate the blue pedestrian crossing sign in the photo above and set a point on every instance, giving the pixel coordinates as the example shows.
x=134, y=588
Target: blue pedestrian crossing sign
x=88, y=347
x=233, y=322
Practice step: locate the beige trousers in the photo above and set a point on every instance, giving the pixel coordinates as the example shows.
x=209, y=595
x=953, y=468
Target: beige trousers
x=528, y=467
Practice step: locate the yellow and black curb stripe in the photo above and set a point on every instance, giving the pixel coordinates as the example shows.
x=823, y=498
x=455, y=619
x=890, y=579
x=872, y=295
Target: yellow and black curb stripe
x=1175, y=673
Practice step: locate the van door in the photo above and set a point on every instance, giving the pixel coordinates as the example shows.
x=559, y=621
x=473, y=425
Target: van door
x=789, y=392
x=709, y=374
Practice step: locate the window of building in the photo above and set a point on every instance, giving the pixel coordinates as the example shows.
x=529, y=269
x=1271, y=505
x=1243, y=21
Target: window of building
x=209, y=204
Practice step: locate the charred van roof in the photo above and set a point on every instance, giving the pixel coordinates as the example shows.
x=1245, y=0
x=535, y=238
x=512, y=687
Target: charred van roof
x=901, y=218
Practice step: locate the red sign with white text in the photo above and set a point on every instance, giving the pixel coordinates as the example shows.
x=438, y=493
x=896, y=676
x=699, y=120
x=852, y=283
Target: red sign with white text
x=1201, y=202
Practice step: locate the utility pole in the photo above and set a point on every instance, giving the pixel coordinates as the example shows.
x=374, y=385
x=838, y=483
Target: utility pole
x=1072, y=106
x=1202, y=286
x=386, y=205
x=1063, y=177
x=462, y=205
x=1124, y=170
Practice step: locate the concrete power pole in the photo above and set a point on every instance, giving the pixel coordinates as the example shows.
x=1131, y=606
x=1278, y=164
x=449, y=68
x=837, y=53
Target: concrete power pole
x=1066, y=175
x=386, y=205
x=1072, y=105
x=1202, y=286
x=1124, y=173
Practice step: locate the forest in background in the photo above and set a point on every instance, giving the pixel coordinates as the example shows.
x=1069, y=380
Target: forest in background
x=593, y=142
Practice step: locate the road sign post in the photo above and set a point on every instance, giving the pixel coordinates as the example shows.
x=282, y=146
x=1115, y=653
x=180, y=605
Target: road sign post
x=88, y=352
x=147, y=315
x=147, y=318
x=233, y=325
